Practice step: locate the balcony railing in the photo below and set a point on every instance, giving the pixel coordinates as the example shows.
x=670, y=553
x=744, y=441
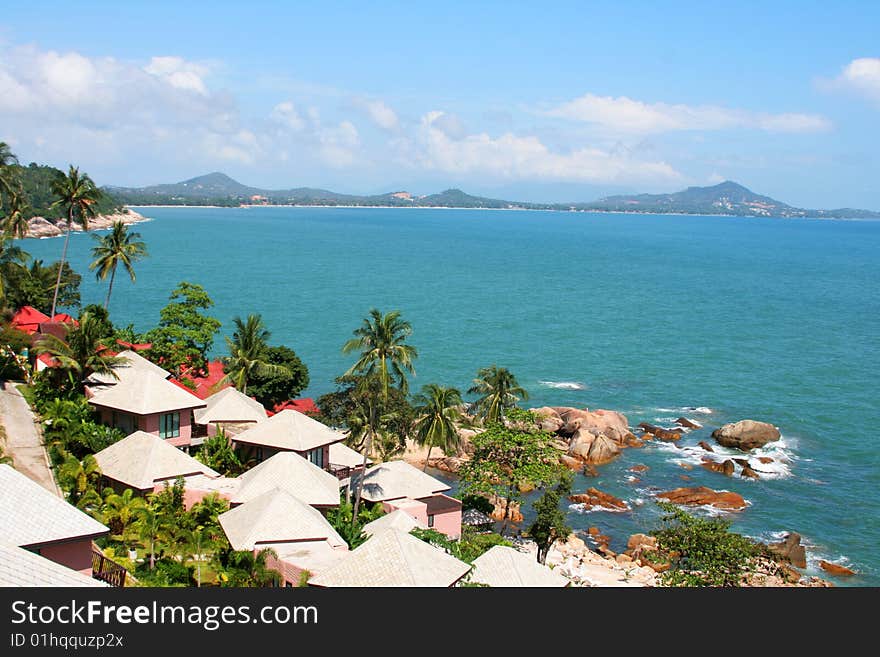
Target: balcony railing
x=107, y=570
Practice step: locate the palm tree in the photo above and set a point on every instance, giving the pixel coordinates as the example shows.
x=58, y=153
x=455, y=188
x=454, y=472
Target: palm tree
x=438, y=409
x=78, y=477
x=151, y=528
x=82, y=352
x=118, y=247
x=11, y=257
x=245, y=568
x=499, y=391
x=383, y=353
x=77, y=196
x=247, y=354
x=7, y=159
x=121, y=512
x=15, y=224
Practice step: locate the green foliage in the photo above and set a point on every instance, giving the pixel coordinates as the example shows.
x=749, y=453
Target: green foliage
x=103, y=326
x=83, y=352
x=702, y=551
x=248, y=354
x=36, y=183
x=499, y=392
x=383, y=355
x=352, y=532
x=510, y=458
x=273, y=389
x=437, y=409
x=244, y=568
x=185, y=333
x=166, y=571
x=350, y=404
x=34, y=285
x=69, y=425
x=217, y=453
x=13, y=343
x=550, y=523
x=478, y=502
x=471, y=545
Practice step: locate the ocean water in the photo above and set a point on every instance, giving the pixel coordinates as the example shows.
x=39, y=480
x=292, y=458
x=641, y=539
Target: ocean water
x=773, y=320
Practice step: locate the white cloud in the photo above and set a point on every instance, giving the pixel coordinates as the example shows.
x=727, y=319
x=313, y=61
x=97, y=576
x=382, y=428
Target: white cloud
x=627, y=115
x=379, y=113
x=339, y=144
x=179, y=73
x=286, y=114
x=863, y=76
x=510, y=156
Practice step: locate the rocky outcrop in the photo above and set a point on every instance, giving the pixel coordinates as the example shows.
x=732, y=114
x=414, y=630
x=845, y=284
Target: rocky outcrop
x=42, y=227
x=791, y=550
x=836, y=569
x=591, y=448
x=703, y=496
x=690, y=424
x=548, y=419
x=514, y=514
x=706, y=446
x=746, y=434
x=597, y=499
x=727, y=467
x=660, y=432
x=639, y=468
x=748, y=473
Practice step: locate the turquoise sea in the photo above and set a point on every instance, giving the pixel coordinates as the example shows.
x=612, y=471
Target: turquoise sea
x=773, y=320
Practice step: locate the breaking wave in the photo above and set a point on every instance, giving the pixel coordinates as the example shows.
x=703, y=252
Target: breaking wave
x=564, y=385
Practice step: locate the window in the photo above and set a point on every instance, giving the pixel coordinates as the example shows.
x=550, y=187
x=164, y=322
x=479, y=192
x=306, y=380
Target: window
x=431, y=520
x=316, y=456
x=124, y=422
x=169, y=425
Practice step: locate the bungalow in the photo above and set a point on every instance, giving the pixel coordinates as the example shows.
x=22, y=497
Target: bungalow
x=344, y=460
x=393, y=558
x=398, y=519
x=18, y=567
x=292, y=473
x=399, y=485
x=145, y=400
x=230, y=410
x=144, y=462
x=33, y=518
x=131, y=363
x=28, y=319
x=289, y=431
x=300, y=536
x=503, y=566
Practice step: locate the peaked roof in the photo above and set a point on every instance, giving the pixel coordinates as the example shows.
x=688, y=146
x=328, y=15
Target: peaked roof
x=141, y=459
x=31, y=515
x=290, y=430
x=395, y=479
x=293, y=473
x=394, y=558
x=205, y=385
x=342, y=454
x=230, y=405
x=133, y=363
x=506, y=566
x=398, y=519
x=144, y=393
x=303, y=405
x=20, y=567
x=28, y=319
x=276, y=516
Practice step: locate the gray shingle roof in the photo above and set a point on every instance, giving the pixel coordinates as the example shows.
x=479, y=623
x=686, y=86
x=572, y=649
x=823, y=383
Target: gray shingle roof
x=293, y=473
x=230, y=405
x=144, y=393
x=133, y=363
x=342, y=454
x=31, y=515
x=397, y=519
x=20, y=567
x=394, y=558
x=506, y=566
x=141, y=459
x=395, y=479
x=290, y=430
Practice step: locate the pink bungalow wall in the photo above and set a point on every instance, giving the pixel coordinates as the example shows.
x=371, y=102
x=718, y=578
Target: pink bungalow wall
x=448, y=521
x=74, y=554
x=268, y=452
x=150, y=424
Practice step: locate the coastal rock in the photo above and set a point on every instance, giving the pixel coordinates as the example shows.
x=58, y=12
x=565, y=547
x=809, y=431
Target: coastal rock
x=703, y=496
x=639, y=542
x=743, y=462
x=639, y=468
x=660, y=432
x=623, y=558
x=603, y=450
x=593, y=531
x=765, y=459
x=514, y=514
x=703, y=444
x=590, y=470
x=632, y=441
x=791, y=550
x=746, y=434
x=748, y=473
x=570, y=462
x=43, y=227
x=548, y=419
x=40, y=227
x=608, y=423
x=647, y=436
x=726, y=468
x=690, y=424
x=685, y=466
x=561, y=445
x=596, y=499
x=836, y=569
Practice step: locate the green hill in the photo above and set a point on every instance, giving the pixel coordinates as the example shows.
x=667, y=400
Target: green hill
x=36, y=181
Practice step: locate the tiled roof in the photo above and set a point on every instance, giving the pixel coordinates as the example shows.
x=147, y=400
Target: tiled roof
x=293, y=473
x=290, y=430
x=230, y=405
x=144, y=393
x=31, y=515
x=398, y=519
x=395, y=479
x=506, y=566
x=20, y=567
x=342, y=454
x=133, y=364
x=394, y=558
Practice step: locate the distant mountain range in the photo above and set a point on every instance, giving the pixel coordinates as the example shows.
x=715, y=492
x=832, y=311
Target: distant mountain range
x=727, y=198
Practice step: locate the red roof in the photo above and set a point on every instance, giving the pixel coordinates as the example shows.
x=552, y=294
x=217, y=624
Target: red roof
x=135, y=346
x=304, y=405
x=28, y=319
x=205, y=385
x=64, y=318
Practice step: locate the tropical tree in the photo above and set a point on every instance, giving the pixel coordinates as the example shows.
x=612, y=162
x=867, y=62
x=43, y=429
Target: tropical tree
x=274, y=389
x=438, y=409
x=248, y=355
x=383, y=354
x=498, y=390
x=77, y=195
x=217, y=453
x=550, y=522
x=244, y=568
x=121, y=513
x=7, y=159
x=151, y=530
x=82, y=352
x=118, y=247
x=12, y=263
x=78, y=477
x=15, y=224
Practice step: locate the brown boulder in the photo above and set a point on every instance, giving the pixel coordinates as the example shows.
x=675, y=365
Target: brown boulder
x=593, y=531
x=639, y=468
x=632, y=441
x=590, y=470
x=571, y=462
x=548, y=419
x=726, y=468
x=700, y=496
x=647, y=436
x=835, y=569
x=749, y=473
x=660, y=432
x=765, y=459
x=603, y=450
x=746, y=434
x=743, y=462
x=596, y=499
x=514, y=513
x=790, y=549
x=610, y=423
x=705, y=446
x=685, y=466
x=690, y=424
x=638, y=541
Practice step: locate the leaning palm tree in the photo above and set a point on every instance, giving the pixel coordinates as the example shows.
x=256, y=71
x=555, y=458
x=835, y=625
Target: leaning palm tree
x=7, y=159
x=15, y=224
x=78, y=196
x=498, y=390
x=438, y=409
x=247, y=354
x=383, y=354
x=118, y=247
x=82, y=352
x=78, y=477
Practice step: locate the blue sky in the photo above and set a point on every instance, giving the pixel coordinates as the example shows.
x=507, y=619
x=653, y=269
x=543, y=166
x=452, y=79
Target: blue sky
x=554, y=101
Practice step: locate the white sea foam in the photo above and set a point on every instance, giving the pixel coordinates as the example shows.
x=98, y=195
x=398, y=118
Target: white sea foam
x=586, y=508
x=703, y=410
x=780, y=451
x=564, y=385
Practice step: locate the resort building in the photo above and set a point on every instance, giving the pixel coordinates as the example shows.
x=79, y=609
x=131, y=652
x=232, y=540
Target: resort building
x=19, y=567
x=34, y=519
x=289, y=431
x=344, y=460
x=503, y=566
x=398, y=519
x=229, y=410
x=145, y=463
x=146, y=401
x=131, y=363
x=393, y=558
x=301, y=537
x=399, y=485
